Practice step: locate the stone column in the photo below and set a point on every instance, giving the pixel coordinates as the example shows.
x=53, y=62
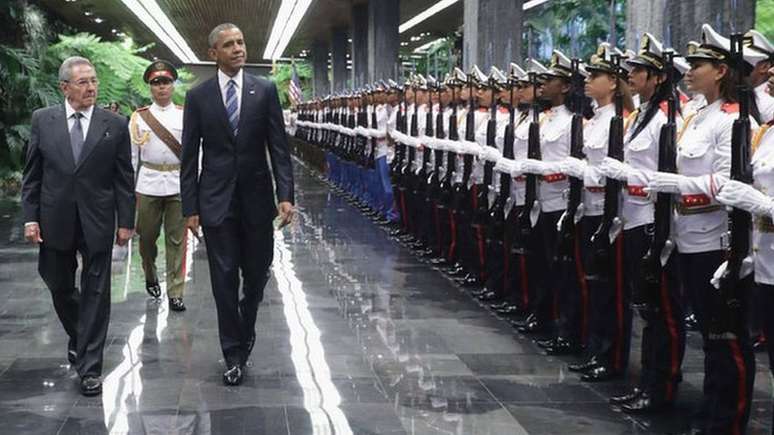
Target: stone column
x=321, y=84
x=339, y=59
x=492, y=33
x=359, y=44
x=383, y=39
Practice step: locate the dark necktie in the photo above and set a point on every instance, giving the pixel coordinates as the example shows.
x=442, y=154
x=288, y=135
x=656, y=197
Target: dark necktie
x=76, y=136
x=232, y=107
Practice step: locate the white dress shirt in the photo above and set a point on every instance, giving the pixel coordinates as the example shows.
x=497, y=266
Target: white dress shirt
x=765, y=102
x=85, y=120
x=223, y=80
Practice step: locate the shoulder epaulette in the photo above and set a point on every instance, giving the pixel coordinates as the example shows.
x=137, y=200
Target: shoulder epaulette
x=141, y=109
x=730, y=107
x=179, y=106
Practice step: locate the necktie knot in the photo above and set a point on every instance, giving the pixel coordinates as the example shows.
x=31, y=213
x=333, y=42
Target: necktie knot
x=77, y=115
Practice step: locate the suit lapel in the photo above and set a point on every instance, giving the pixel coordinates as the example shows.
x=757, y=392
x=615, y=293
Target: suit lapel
x=220, y=107
x=97, y=129
x=249, y=98
x=59, y=123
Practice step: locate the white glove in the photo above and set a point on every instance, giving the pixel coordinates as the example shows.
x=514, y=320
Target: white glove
x=740, y=195
x=504, y=165
x=471, y=148
x=532, y=166
x=517, y=168
x=665, y=182
x=616, y=169
x=748, y=267
x=573, y=167
x=489, y=154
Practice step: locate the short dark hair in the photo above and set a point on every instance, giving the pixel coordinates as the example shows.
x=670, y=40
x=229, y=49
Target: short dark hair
x=213, y=38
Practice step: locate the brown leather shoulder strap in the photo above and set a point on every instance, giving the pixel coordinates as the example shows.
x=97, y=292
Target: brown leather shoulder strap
x=162, y=133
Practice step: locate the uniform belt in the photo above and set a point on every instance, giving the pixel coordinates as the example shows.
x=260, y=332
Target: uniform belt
x=636, y=190
x=596, y=189
x=553, y=178
x=764, y=224
x=164, y=167
x=520, y=178
x=696, y=204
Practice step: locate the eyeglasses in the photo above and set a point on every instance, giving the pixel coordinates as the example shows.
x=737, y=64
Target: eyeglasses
x=84, y=82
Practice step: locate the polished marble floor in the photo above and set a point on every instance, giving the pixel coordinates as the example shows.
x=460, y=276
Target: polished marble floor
x=355, y=337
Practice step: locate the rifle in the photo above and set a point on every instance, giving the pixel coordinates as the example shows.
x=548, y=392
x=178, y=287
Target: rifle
x=647, y=288
x=482, y=202
x=610, y=227
x=424, y=179
x=435, y=180
x=531, y=206
x=462, y=191
x=497, y=215
x=569, y=220
x=447, y=197
x=374, y=125
x=362, y=141
x=727, y=317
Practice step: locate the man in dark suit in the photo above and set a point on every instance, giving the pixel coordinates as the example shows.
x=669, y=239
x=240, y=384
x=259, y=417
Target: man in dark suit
x=235, y=118
x=78, y=180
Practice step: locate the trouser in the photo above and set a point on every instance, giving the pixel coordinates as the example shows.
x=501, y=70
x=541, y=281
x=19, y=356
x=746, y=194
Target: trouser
x=238, y=244
x=386, y=198
x=152, y=213
x=84, y=315
x=663, y=337
x=573, y=291
x=540, y=260
x=498, y=257
x=729, y=363
x=608, y=332
x=477, y=257
x=764, y=301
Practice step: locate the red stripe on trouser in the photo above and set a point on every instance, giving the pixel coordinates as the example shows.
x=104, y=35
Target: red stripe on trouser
x=674, y=363
x=437, y=219
x=619, y=308
x=403, y=210
x=481, y=253
x=741, y=401
x=584, y=289
x=524, y=280
x=453, y=243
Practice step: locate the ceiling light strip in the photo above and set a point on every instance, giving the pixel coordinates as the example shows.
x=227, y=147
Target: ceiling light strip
x=285, y=24
x=164, y=30
x=427, y=13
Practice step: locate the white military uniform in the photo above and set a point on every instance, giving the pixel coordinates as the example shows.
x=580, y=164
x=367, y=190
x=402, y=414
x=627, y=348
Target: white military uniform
x=554, y=147
x=763, y=232
x=596, y=135
x=159, y=170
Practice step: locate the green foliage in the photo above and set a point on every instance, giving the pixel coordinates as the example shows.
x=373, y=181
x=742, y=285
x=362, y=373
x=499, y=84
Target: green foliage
x=281, y=75
x=575, y=27
x=28, y=77
x=764, y=21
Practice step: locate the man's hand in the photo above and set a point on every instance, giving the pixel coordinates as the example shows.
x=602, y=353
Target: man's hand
x=192, y=223
x=285, y=213
x=123, y=235
x=32, y=233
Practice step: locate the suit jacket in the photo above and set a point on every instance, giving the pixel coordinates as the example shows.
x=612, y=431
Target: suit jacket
x=96, y=189
x=234, y=166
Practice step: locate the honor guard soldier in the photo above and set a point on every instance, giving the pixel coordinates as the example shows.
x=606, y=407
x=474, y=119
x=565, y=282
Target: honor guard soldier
x=704, y=165
x=156, y=132
x=755, y=42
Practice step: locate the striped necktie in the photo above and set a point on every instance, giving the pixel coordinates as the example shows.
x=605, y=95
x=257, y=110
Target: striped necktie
x=232, y=106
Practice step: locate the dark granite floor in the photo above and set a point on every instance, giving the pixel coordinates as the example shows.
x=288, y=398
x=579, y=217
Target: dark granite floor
x=355, y=337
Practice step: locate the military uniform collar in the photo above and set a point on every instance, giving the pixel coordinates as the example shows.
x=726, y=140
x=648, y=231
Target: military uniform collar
x=155, y=106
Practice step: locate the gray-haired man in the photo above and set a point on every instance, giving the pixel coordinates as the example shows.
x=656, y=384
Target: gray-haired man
x=78, y=181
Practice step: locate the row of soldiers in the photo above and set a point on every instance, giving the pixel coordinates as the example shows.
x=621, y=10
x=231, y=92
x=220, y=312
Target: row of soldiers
x=572, y=195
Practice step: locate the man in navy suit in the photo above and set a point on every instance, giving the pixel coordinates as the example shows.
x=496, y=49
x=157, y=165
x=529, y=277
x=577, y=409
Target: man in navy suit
x=235, y=118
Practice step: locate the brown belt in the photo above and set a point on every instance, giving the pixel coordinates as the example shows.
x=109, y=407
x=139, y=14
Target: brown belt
x=764, y=224
x=165, y=167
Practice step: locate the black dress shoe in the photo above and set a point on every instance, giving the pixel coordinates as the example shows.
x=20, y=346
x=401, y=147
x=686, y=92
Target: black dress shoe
x=564, y=347
x=72, y=354
x=644, y=404
x=233, y=375
x=518, y=323
x=533, y=327
x=512, y=310
x=153, y=289
x=625, y=398
x=551, y=342
x=584, y=366
x=759, y=343
x=489, y=296
x=691, y=324
x=600, y=373
x=500, y=305
x=91, y=386
x=176, y=304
